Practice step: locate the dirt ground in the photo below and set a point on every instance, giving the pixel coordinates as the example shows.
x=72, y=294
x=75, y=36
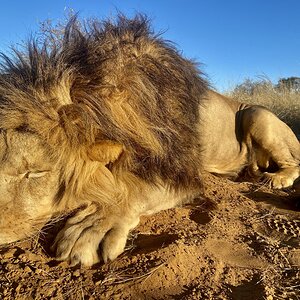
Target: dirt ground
x=247, y=247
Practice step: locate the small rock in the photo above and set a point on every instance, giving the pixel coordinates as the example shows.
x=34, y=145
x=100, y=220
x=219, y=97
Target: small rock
x=8, y=255
x=76, y=273
x=38, y=271
x=27, y=269
x=32, y=256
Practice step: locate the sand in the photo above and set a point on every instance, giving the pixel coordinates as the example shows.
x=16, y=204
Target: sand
x=244, y=247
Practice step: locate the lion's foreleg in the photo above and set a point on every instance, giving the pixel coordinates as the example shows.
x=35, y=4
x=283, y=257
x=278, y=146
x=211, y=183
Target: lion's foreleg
x=109, y=225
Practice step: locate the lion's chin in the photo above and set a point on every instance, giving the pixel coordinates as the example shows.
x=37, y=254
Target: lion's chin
x=10, y=237
x=25, y=230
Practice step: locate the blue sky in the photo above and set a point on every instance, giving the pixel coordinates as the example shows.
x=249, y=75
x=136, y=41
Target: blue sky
x=233, y=39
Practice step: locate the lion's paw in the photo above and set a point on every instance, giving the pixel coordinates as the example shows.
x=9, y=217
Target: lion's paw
x=78, y=242
x=278, y=181
x=283, y=178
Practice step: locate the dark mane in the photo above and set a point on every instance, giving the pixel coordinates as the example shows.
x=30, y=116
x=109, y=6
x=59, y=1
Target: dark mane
x=112, y=80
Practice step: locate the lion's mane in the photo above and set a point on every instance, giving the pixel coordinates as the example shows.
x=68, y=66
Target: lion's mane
x=110, y=80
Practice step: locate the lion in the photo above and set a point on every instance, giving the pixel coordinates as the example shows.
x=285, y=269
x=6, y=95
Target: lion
x=112, y=123
x=252, y=137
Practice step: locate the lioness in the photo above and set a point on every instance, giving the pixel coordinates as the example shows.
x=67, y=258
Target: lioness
x=114, y=121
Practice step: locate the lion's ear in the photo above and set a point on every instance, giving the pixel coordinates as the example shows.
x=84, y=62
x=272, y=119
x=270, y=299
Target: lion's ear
x=105, y=151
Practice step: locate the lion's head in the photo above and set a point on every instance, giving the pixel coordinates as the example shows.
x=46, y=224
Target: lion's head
x=111, y=99
x=29, y=181
x=38, y=180
x=35, y=184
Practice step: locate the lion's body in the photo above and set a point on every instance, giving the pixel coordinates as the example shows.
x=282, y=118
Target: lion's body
x=126, y=126
x=251, y=136
x=222, y=147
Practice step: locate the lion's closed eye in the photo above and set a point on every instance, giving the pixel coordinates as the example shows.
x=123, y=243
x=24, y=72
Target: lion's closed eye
x=34, y=174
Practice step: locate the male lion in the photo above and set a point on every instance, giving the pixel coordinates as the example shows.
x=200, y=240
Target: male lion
x=115, y=123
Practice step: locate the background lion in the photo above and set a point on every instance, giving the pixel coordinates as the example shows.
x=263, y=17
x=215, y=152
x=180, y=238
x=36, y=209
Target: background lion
x=117, y=123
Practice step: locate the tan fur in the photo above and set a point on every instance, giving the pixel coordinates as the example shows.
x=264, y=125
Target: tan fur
x=115, y=122
x=251, y=136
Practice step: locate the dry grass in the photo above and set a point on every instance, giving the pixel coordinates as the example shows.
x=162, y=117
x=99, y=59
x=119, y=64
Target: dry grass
x=285, y=103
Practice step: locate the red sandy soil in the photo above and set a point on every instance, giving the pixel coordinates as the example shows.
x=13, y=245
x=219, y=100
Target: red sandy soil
x=246, y=247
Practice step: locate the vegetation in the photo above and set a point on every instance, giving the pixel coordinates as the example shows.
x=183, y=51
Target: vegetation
x=282, y=98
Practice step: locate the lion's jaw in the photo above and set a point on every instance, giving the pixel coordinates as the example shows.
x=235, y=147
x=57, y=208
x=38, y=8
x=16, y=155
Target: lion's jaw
x=28, y=184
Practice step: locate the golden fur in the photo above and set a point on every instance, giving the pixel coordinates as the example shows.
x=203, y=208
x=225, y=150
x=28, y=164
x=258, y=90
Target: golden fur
x=112, y=82
x=236, y=135
x=115, y=105
x=122, y=125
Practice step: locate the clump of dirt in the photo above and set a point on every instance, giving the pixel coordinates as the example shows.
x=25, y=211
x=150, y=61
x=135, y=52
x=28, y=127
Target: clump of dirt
x=240, y=249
